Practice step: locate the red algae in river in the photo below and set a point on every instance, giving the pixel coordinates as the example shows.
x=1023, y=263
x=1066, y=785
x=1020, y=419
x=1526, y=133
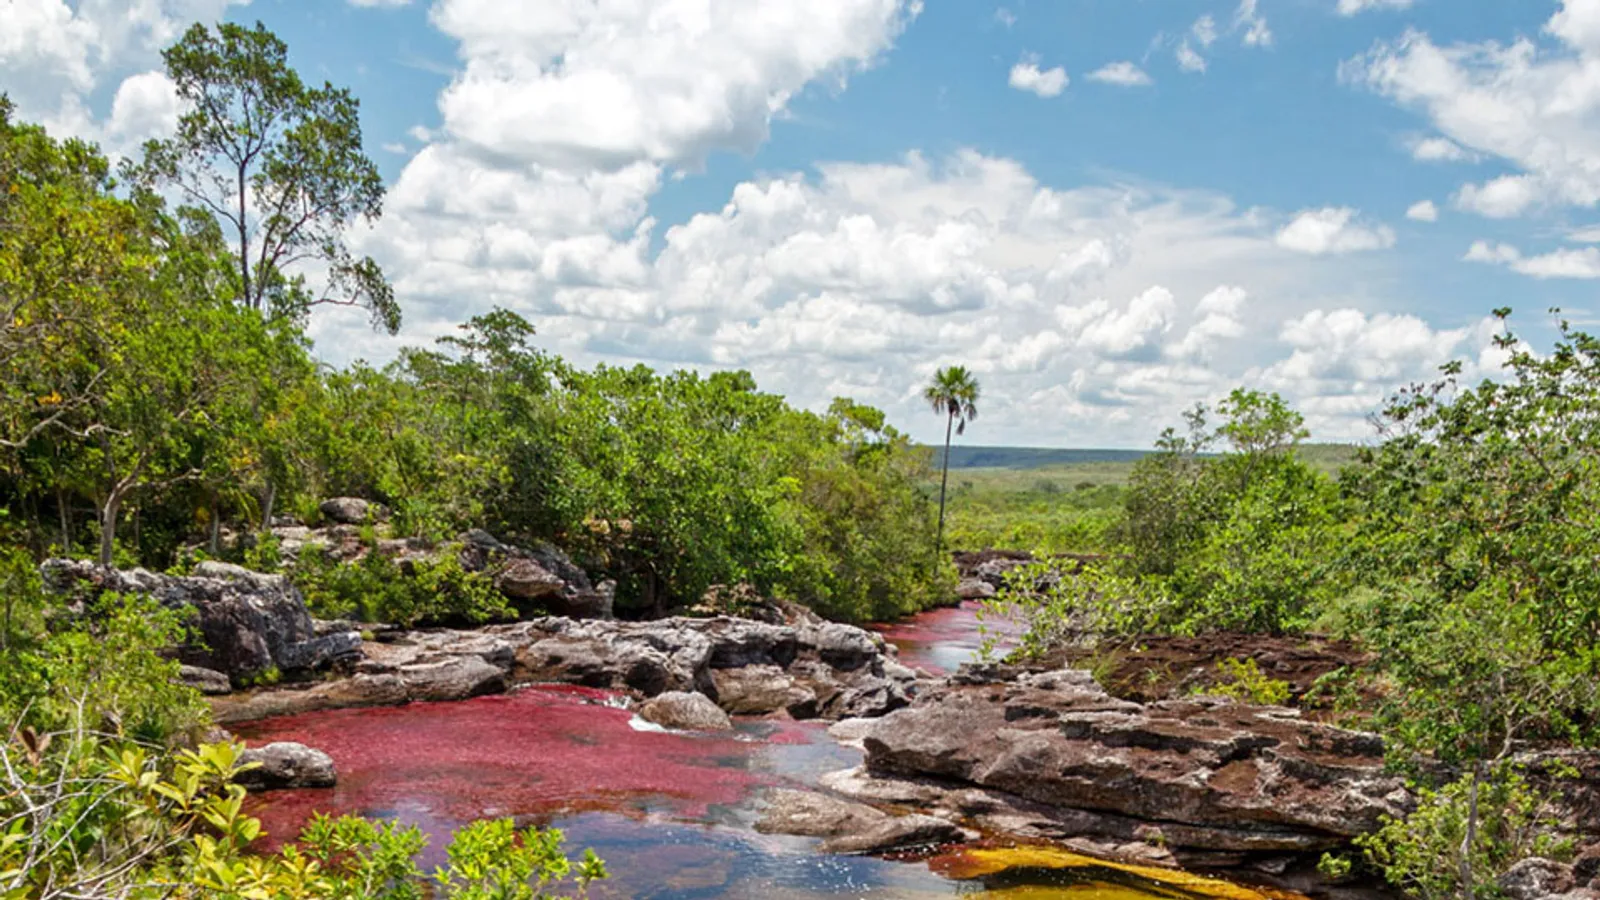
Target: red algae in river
x=536, y=753
x=940, y=640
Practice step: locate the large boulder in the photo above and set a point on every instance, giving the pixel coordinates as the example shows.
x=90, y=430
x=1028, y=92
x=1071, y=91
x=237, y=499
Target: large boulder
x=762, y=689
x=1201, y=773
x=245, y=624
x=345, y=510
x=683, y=711
x=285, y=765
x=851, y=827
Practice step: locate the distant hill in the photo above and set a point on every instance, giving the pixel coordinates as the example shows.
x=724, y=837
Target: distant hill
x=970, y=457
x=1328, y=457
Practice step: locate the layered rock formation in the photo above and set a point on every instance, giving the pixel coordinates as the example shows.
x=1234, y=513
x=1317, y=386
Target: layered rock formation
x=810, y=670
x=1052, y=755
x=245, y=624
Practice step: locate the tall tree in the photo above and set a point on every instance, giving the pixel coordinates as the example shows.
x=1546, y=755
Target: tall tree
x=953, y=393
x=281, y=167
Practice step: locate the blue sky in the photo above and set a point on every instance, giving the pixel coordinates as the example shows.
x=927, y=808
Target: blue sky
x=840, y=195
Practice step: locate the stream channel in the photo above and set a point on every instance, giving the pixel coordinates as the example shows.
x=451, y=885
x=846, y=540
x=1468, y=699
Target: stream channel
x=672, y=814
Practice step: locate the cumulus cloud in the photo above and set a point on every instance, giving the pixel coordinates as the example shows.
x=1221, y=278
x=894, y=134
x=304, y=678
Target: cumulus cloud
x=1204, y=30
x=1027, y=76
x=1423, y=211
x=1122, y=74
x=604, y=85
x=1566, y=262
x=1532, y=104
x=1248, y=18
x=1333, y=230
x=1188, y=59
x=1352, y=7
x=1438, y=149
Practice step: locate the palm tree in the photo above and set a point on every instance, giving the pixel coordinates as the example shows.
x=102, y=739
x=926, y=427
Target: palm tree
x=953, y=393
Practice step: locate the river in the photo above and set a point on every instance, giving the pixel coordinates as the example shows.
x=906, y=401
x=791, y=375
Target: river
x=672, y=814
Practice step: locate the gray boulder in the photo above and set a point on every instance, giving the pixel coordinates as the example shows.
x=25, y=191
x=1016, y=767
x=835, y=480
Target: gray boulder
x=245, y=623
x=683, y=711
x=851, y=827
x=286, y=765
x=345, y=510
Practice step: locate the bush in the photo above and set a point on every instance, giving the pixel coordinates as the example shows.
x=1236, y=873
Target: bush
x=1498, y=819
x=375, y=588
x=1242, y=679
x=82, y=818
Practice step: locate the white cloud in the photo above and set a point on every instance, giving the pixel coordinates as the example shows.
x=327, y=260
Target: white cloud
x=1204, y=30
x=1500, y=198
x=1123, y=74
x=1423, y=211
x=583, y=84
x=1534, y=105
x=1566, y=262
x=1352, y=7
x=1027, y=76
x=1332, y=230
x=1005, y=16
x=54, y=54
x=1438, y=149
x=1254, y=25
x=380, y=3
x=1188, y=59
x=1588, y=235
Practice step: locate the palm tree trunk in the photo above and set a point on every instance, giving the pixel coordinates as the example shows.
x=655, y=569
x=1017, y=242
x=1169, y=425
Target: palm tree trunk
x=944, y=482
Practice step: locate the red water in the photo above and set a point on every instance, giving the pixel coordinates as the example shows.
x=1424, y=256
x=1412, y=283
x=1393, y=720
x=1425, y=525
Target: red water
x=671, y=812
x=940, y=640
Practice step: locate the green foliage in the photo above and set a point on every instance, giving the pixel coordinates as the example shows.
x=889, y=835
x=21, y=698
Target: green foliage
x=85, y=818
x=102, y=664
x=279, y=163
x=375, y=588
x=1243, y=680
x=1497, y=820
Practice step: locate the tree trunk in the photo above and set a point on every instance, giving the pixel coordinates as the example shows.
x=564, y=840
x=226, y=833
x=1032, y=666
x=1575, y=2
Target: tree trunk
x=108, y=527
x=214, y=545
x=944, y=482
x=1467, y=886
x=66, y=522
x=267, y=503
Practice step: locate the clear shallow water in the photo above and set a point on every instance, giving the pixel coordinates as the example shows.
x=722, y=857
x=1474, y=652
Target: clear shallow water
x=672, y=814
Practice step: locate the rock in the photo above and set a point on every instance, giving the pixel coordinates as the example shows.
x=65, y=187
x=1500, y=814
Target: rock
x=684, y=711
x=206, y=681
x=454, y=678
x=851, y=827
x=246, y=623
x=899, y=833
x=286, y=765
x=345, y=510
x=747, y=667
x=524, y=579
x=761, y=689
x=975, y=589
x=1536, y=878
x=346, y=693
x=1211, y=775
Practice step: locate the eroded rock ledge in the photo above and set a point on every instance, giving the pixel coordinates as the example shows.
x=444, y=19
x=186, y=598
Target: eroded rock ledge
x=811, y=669
x=1052, y=755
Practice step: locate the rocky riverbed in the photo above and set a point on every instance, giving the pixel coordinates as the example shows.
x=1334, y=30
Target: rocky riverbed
x=723, y=724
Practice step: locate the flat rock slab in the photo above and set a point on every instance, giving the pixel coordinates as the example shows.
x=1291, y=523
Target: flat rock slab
x=1208, y=774
x=851, y=827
